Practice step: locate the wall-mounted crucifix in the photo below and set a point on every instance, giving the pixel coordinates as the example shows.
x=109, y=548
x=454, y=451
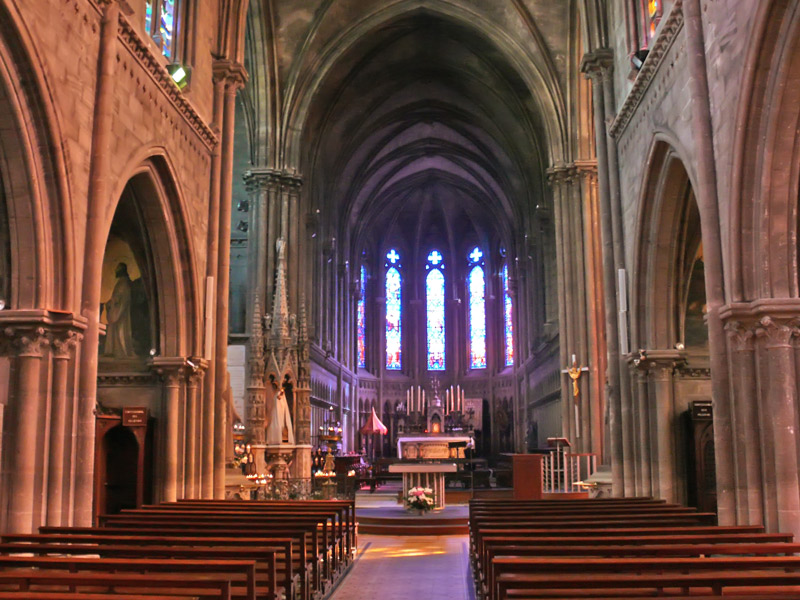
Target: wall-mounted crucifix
x=574, y=371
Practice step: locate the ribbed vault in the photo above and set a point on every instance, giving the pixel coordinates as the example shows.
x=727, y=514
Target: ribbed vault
x=424, y=116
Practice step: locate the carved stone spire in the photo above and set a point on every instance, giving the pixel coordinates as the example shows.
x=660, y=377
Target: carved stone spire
x=257, y=333
x=280, y=304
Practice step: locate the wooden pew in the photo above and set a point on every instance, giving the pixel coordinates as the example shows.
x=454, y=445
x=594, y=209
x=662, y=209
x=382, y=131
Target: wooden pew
x=267, y=582
x=196, y=585
x=608, y=585
x=243, y=570
x=587, y=565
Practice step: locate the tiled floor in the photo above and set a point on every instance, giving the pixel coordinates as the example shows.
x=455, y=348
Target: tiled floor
x=399, y=568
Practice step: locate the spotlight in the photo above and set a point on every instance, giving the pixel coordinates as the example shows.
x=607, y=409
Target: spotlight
x=638, y=58
x=243, y=205
x=180, y=74
x=152, y=351
x=2, y=303
x=191, y=364
x=242, y=226
x=680, y=346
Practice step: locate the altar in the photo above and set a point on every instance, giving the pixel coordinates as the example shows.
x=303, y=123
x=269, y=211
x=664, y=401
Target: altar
x=425, y=475
x=433, y=446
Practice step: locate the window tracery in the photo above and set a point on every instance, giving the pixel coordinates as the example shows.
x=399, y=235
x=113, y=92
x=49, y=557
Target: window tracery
x=394, y=312
x=477, y=310
x=434, y=294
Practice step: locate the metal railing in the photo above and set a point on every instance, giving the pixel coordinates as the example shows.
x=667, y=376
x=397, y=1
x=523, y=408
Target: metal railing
x=564, y=472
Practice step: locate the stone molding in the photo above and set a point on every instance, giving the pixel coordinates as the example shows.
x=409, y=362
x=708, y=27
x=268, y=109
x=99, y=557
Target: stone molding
x=262, y=180
x=670, y=27
x=561, y=174
x=28, y=332
x=158, y=72
x=64, y=341
x=125, y=379
x=173, y=370
x=653, y=360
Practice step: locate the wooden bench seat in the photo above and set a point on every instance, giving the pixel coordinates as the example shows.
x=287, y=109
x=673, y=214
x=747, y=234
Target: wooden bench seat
x=199, y=585
x=561, y=585
x=586, y=566
x=266, y=566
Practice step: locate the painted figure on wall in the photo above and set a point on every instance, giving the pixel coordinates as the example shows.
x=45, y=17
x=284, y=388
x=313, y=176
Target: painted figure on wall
x=119, y=333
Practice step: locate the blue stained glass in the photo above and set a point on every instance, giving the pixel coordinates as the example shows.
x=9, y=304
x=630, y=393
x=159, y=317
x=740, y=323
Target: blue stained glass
x=394, y=314
x=148, y=16
x=167, y=26
x=434, y=284
x=477, y=318
x=362, y=321
x=508, y=319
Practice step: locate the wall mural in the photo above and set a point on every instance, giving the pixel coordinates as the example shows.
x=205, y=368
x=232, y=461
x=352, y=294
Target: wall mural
x=125, y=304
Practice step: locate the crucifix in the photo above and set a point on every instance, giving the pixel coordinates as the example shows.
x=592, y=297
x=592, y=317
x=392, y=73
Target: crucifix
x=574, y=372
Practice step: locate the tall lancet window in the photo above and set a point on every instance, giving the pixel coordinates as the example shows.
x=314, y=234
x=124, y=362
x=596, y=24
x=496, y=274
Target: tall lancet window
x=362, y=320
x=476, y=282
x=160, y=18
x=394, y=312
x=508, y=321
x=434, y=290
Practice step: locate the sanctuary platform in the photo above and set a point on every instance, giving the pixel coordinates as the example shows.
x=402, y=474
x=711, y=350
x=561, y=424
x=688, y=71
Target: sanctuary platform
x=452, y=520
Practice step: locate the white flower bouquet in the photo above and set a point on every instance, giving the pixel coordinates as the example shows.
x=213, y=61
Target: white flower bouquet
x=420, y=498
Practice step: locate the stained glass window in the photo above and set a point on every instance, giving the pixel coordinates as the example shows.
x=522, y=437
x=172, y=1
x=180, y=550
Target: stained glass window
x=148, y=15
x=166, y=26
x=160, y=22
x=362, y=320
x=508, y=321
x=394, y=312
x=434, y=287
x=477, y=311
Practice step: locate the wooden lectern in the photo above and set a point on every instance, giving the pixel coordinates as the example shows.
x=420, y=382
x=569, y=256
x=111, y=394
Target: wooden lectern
x=527, y=474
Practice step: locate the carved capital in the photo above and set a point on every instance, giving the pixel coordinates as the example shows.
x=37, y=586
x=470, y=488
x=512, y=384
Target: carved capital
x=63, y=342
x=263, y=180
x=777, y=333
x=231, y=74
x=598, y=64
x=26, y=342
x=740, y=336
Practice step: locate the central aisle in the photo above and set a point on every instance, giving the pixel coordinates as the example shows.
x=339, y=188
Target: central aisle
x=399, y=568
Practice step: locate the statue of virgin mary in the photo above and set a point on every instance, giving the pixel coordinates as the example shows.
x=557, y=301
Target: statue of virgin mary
x=280, y=430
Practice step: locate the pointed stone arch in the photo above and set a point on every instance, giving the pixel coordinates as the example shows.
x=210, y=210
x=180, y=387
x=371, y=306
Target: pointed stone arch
x=34, y=190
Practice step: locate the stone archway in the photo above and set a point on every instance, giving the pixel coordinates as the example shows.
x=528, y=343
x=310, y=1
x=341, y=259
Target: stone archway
x=762, y=317
x=147, y=286
x=670, y=365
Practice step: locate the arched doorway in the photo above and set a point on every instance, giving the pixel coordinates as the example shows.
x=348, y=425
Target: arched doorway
x=121, y=456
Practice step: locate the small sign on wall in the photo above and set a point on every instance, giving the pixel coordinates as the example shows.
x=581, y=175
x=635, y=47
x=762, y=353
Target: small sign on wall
x=702, y=409
x=134, y=416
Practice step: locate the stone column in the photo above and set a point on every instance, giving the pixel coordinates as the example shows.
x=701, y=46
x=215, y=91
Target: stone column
x=62, y=347
x=663, y=465
x=205, y=460
x=617, y=391
x=780, y=416
x=28, y=415
x=234, y=77
x=173, y=373
x=746, y=431
x=93, y=250
x=191, y=467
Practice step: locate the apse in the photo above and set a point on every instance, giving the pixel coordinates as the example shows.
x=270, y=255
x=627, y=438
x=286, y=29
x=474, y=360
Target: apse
x=423, y=138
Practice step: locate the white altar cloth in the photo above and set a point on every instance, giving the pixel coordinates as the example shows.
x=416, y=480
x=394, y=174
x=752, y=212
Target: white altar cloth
x=430, y=475
x=431, y=440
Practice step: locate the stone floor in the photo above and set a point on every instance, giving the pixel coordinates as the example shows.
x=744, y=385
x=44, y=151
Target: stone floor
x=399, y=568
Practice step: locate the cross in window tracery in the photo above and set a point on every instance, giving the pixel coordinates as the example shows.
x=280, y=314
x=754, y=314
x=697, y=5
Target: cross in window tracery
x=435, y=258
x=393, y=256
x=476, y=255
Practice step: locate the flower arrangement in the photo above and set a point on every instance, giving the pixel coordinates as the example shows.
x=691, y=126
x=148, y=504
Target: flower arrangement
x=420, y=499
